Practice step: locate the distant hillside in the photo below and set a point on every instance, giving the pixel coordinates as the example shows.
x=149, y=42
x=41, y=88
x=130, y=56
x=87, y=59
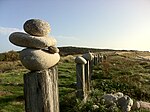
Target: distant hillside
x=79, y=50
x=9, y=56
x=13, y=55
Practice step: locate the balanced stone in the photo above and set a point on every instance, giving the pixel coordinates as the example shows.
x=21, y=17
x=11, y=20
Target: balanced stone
x=26, y=40
x=88, y=56
x=34, y=59
x=37, y=27
x=53, y=49
x=80, y=60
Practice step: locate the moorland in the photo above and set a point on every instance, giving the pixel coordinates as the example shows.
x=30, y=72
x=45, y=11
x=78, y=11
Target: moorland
x=126, y=71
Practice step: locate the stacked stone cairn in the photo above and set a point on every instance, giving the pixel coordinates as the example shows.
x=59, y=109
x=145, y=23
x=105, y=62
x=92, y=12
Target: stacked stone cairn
x=41, y=51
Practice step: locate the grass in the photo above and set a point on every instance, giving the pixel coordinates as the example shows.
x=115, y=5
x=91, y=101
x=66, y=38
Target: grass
x=11, y=91
x=118, y=73
x=11, y=84
x=122, y=74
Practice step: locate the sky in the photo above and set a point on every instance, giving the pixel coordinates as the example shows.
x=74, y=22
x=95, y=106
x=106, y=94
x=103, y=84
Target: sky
x=104, y=24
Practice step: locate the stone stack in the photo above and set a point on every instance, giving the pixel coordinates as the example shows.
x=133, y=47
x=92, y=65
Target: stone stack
x=41, y=51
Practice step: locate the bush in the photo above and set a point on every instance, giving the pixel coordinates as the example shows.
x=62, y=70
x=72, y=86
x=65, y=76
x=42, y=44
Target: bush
x=8, y=66
x=9, y=56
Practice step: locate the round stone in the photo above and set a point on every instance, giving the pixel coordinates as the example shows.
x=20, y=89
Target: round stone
x=88, y=56
x=26, y=40
x=34, y=59
x=36, y=27
x=80, y=60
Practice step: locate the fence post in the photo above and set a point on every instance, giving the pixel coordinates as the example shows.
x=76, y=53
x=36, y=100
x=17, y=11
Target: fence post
x=95, y=59
x=104, y=57
x=101, y=58
x=80, y=74
x=88, y=57
x=40, y=56
x=41, y=91
x=91, y=65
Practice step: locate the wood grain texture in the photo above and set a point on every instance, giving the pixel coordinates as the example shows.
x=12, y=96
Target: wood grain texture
x=80, y=74
x=41, y=91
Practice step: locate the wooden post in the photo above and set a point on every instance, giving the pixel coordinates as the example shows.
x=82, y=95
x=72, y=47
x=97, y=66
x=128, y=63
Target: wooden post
x=95, y=59
x=80, y=73
x=91, y=67
x=41, y=91
x=87, y=76
x=88, y=57
x=105, y=57
x=101, y=58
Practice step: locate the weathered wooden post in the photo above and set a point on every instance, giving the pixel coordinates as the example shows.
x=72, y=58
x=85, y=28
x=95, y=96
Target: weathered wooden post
x=101, y=58
x=95, y=59
x=80, y=74
x=91, y=63
x=104, y=57
x=88, y=57
x=40, y=56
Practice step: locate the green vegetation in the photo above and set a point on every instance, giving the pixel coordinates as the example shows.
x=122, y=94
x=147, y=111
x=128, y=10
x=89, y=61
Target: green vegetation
x=9, y=56
x=11, y=91
x=118, y=73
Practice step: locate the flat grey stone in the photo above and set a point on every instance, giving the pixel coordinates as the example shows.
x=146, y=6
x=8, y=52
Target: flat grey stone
x=36, y=27
x=26, y=40
x=80, y=60
x=34, y=59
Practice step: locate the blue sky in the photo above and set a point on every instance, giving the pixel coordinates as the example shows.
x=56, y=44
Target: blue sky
x=111, y=24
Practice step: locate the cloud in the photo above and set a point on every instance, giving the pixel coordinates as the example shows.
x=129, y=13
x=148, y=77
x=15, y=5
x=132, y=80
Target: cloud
x=5, y=45
x=7, y=31
x=63, y=40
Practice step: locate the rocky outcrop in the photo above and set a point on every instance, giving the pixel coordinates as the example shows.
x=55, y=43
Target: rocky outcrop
x=124, y=101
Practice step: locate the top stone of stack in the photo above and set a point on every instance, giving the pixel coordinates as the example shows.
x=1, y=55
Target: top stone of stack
x=37, y=27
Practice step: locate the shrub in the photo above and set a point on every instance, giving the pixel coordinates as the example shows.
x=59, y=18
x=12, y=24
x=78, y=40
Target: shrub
x=9, y=56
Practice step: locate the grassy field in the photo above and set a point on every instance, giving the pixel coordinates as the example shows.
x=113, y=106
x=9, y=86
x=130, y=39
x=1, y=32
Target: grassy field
x=120, y=72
